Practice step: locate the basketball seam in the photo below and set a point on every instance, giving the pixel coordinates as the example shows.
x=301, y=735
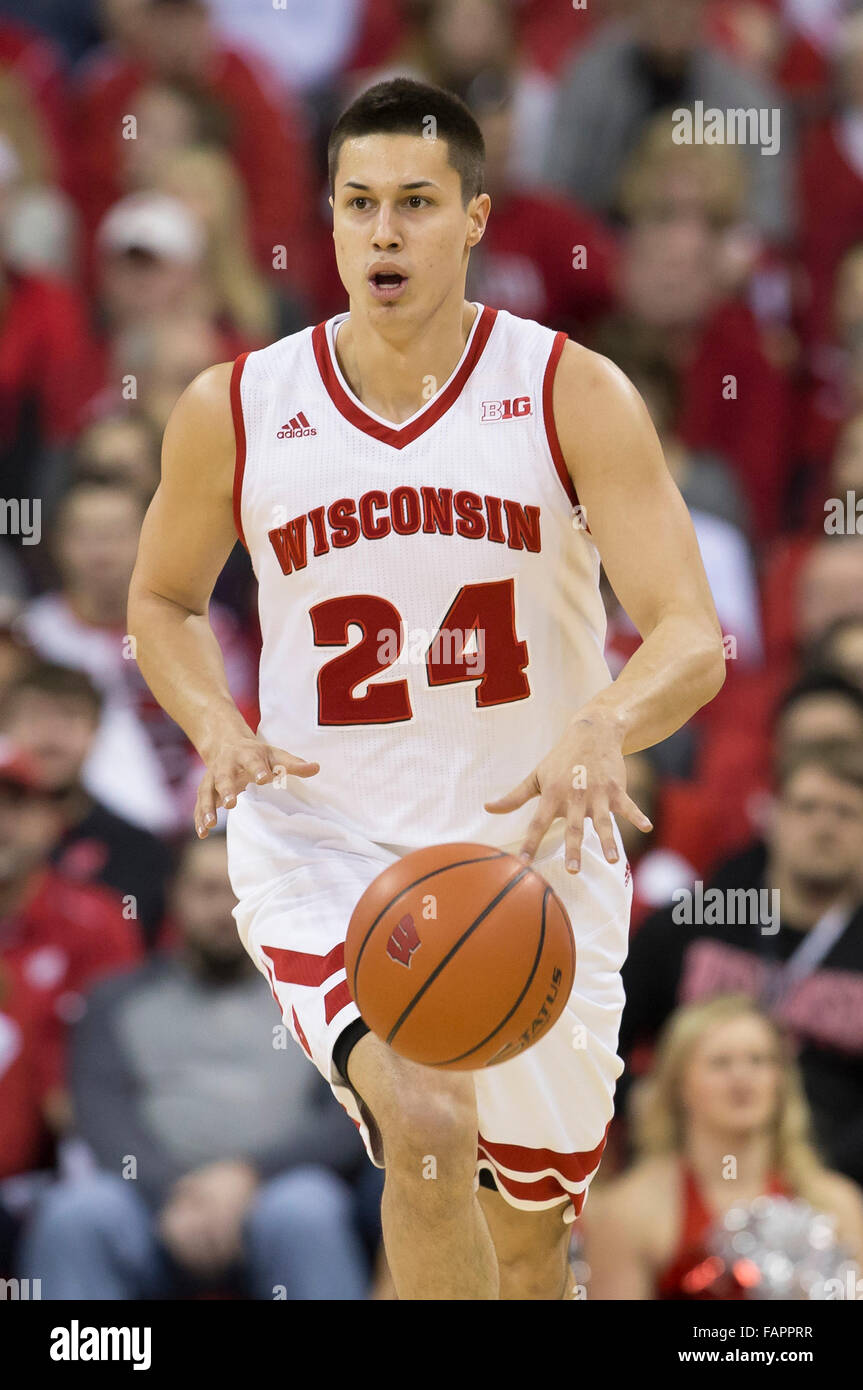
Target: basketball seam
x=456, y=946
x=457, y=864
x=450, y=1060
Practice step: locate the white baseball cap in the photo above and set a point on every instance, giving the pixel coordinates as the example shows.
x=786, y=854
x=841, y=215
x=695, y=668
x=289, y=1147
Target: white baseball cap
x=153, y=222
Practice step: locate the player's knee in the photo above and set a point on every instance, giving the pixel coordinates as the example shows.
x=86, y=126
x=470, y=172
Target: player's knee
x=432, y=1121
x=534, y=1275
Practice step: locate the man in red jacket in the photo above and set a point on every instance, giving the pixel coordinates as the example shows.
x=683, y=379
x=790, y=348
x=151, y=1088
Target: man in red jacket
x=58, y=935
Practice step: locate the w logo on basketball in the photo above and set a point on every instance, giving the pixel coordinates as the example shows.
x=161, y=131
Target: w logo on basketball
x=403, y=941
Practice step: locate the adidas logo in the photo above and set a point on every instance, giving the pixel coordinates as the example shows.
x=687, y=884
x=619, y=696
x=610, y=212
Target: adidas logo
x=296, y=428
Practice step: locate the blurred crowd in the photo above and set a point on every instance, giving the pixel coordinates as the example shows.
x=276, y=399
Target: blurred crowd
x=163, y=206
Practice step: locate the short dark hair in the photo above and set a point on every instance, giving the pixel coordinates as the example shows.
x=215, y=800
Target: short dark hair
x=60, y=682
x=402, y=106
x=820, y=682
x=841, y=760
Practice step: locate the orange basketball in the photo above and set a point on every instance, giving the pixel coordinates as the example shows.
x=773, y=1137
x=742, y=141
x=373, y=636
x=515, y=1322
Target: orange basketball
x=460, y=956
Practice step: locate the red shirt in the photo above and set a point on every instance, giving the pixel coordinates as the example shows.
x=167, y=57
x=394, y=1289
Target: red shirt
x=269, y=143
x=65, y=937
x=746, y=420
x=830, y=199
x=26, y=1072
x=45, y=355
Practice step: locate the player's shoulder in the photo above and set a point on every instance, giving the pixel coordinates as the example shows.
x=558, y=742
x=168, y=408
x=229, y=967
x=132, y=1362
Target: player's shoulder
x=583, y=373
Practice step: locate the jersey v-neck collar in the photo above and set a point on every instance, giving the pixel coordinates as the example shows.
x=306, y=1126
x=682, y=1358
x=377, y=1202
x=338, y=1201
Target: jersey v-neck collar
x=349, y=405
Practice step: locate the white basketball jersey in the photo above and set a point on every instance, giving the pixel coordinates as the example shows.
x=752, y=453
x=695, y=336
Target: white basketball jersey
x=429, y=596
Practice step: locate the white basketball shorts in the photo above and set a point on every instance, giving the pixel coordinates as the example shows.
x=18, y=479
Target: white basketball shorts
x=543, y=1115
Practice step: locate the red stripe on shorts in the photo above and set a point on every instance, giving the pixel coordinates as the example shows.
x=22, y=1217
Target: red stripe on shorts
x=543, y=1190
x=574, y=1167
x=300, y=1034
x=303, y=968
x=336, y=999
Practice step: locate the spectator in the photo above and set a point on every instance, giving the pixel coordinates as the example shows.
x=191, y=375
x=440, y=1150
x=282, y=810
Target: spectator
x=52, y=713
x=542, y=257
x=660, y=60
x=173, y=41
x=723, y=1083
x=831, y=184
x=59, y=935
x=141, y=765
x=798, y=948
x=240, y=1154
x=310, y=45
x=840, y=650
x=675, y=304
x=451, y=43
x=119, y=448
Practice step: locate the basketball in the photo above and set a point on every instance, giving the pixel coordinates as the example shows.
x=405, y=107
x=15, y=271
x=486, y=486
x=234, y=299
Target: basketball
x=460, y=956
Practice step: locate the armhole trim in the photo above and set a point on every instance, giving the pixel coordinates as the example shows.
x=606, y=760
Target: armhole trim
x=240, y=443
x=548, y=416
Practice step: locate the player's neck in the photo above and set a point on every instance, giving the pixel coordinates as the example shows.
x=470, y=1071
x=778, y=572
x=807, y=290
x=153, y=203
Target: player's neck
x=395, y=368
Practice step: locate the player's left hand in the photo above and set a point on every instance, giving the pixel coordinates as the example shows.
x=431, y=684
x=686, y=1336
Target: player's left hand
x=583, y=776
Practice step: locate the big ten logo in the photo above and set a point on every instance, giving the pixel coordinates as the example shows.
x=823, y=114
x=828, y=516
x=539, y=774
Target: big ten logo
x=513, y=409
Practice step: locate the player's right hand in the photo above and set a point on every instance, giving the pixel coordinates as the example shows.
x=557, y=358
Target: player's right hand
x=235, y=765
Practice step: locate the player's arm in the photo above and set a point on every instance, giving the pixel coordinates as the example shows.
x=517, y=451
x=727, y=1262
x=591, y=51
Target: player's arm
x=187, y=535
x=647, y=543
x=643, y=532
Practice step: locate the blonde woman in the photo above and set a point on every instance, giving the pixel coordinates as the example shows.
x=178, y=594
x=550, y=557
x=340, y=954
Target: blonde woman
x=720, y=1121
x=206, y=180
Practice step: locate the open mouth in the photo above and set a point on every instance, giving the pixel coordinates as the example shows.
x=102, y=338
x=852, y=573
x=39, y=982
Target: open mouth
x=387, y=285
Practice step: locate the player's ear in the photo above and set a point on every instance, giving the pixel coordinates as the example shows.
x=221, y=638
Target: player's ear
x=478, y=211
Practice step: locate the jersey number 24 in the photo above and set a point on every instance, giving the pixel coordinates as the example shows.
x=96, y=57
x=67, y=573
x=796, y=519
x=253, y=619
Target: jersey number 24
x=487, y=609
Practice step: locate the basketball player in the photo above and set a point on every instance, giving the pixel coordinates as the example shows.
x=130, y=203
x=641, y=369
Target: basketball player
x=426, y=487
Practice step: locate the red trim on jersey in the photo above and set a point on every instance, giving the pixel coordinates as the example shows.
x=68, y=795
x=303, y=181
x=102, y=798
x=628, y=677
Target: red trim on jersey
x=548, y=415
x=304, y=968
x=397, y=436
x=240, y=440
